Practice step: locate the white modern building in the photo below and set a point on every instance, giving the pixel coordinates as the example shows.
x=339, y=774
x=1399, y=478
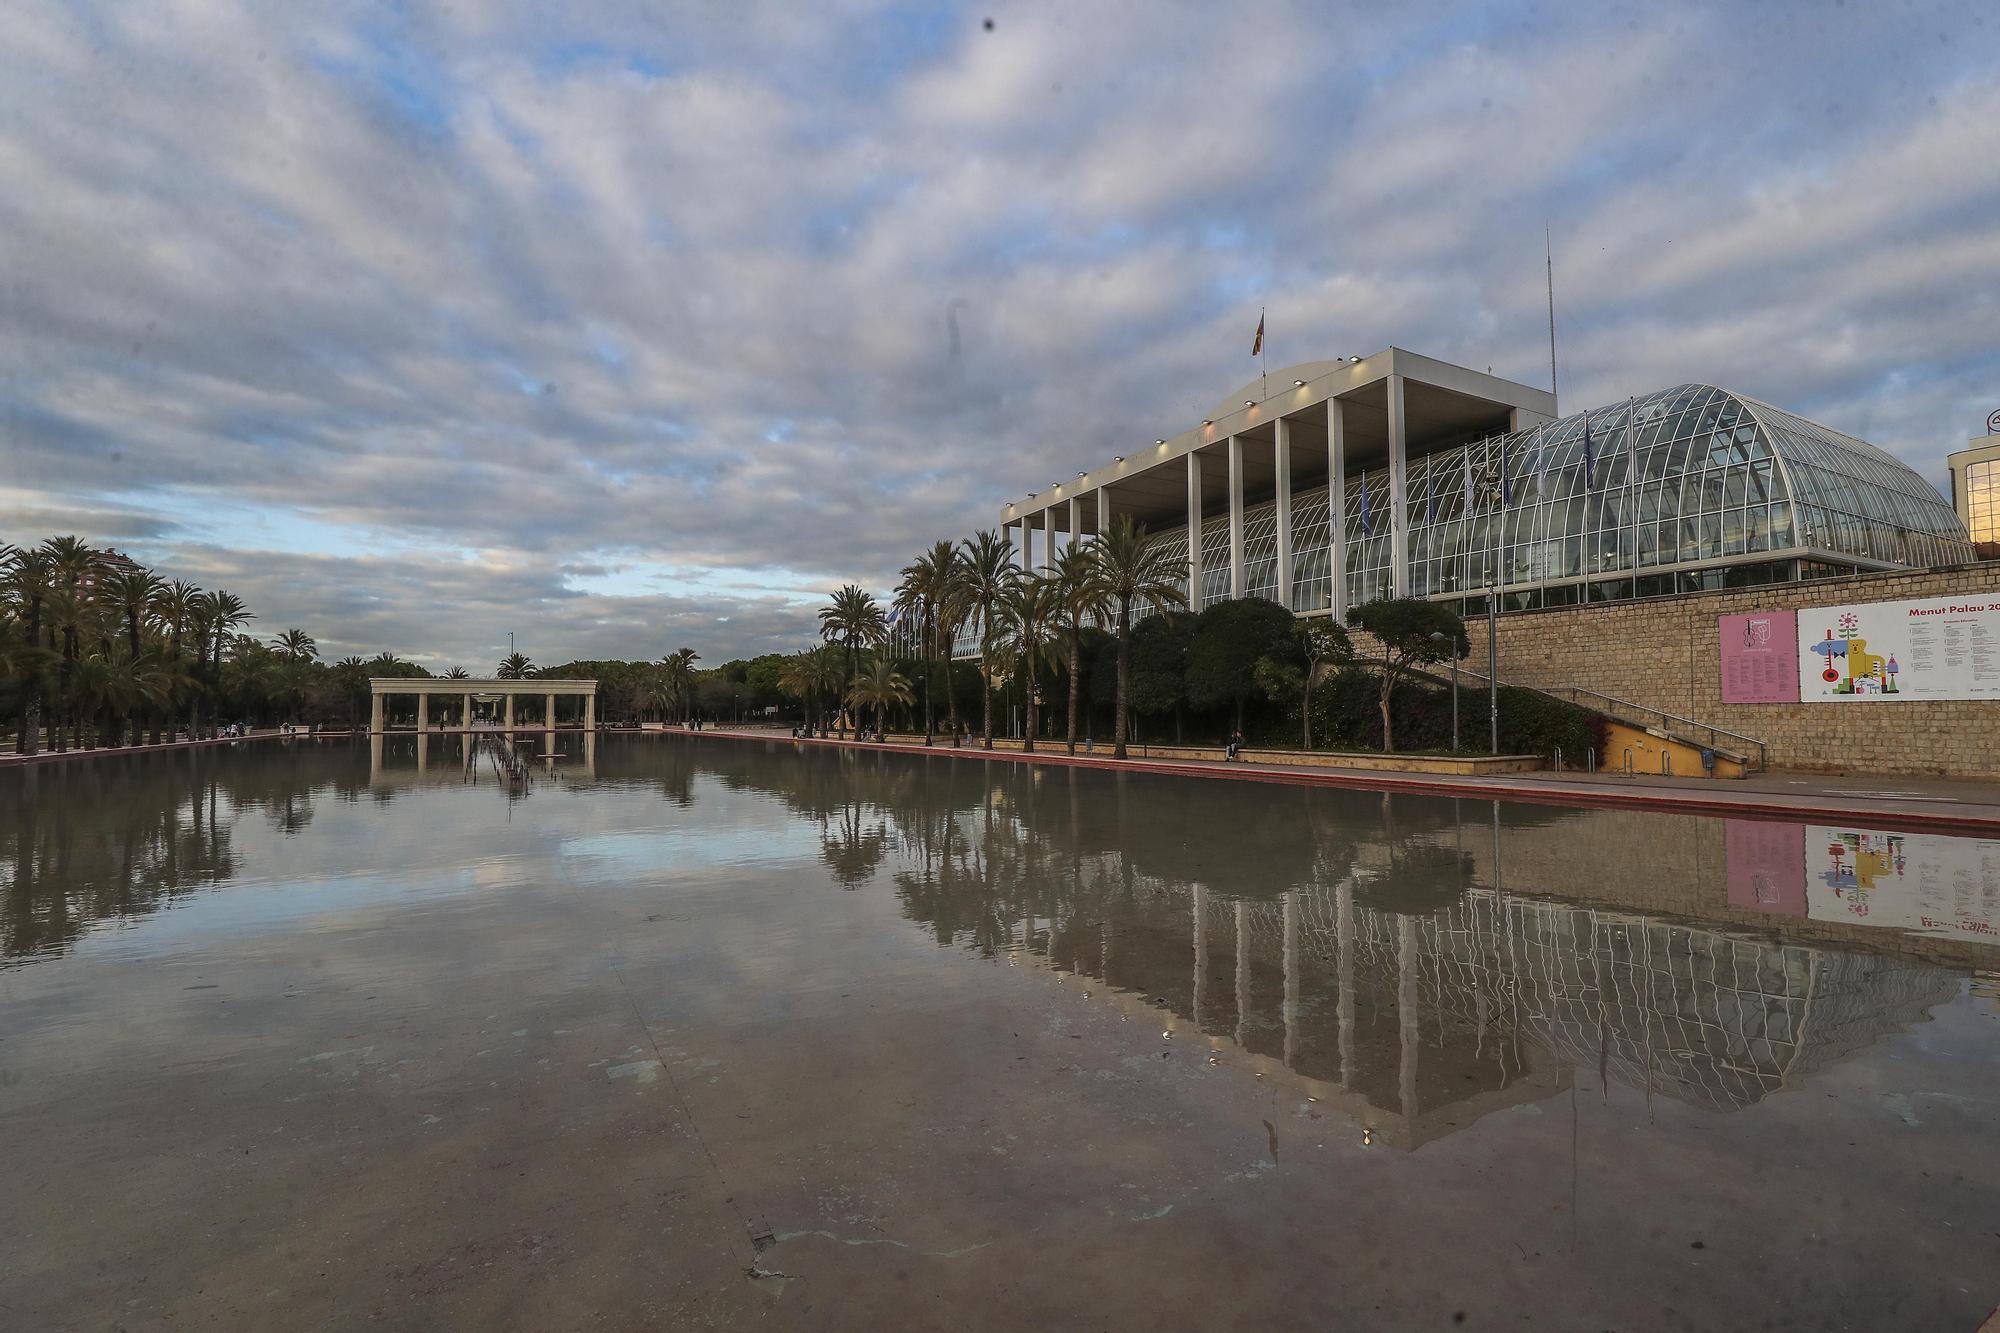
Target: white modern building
x=1450, y=482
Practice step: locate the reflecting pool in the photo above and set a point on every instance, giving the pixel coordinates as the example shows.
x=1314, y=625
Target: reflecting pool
x=691, y=1031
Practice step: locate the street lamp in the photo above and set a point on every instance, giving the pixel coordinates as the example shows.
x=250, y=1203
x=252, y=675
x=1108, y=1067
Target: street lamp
x=1442, y=637
x=1490, y=486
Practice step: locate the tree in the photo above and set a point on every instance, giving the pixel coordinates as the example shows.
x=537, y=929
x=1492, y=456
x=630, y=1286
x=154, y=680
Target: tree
x=29, y=580
x=1413, y=632
x=985, y=571
x=1230, y=638
x=296, y=645
x=677, y=673
x=853, y=619
x=1080, y=598
x=929, y=583
x=1029, y=635
x=458, y=673
x=879, y=686
x=514, y=666
x=1133, y=568
x=1326, y=647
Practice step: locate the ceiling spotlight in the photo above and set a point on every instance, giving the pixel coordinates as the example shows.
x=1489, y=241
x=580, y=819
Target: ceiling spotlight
x=1249, y=402
x=1119, y=459
x=1298, y=384
x=1353, y=358
x=1207, y=423
x=1081, y=475
x=1159, y=441
x=1031, y=495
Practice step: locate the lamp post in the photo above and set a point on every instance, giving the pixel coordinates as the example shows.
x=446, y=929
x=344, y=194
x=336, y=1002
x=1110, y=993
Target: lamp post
x=1492, y=487
x=1446, y=638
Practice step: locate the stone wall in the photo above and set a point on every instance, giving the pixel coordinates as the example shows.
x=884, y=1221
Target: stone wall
x=1666, y=654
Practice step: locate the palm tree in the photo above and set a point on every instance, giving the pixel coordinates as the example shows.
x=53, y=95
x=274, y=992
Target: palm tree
x=879, y=686
x=1030, y=630
x=677, y=678
x=985, y=569
x=1079, y=597
x=29, y=579
x=1131, y=568
x=515, y=666
x=458, y=673
x=71, y=564
x=928, y=585
x=131, y=592
x=852, y=619
x=220, y=614
x=173, y=607
x=296, y=645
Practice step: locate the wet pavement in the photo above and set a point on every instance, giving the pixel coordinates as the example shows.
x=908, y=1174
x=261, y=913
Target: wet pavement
x=686, y=1034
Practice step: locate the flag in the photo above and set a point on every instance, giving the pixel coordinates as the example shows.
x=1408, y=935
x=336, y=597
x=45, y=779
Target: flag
x=1367, y=526
x=1589, y=455
x=1257, y=343
x=895, y=614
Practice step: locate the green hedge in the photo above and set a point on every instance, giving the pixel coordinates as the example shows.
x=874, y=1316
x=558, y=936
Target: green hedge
x=1346, y=716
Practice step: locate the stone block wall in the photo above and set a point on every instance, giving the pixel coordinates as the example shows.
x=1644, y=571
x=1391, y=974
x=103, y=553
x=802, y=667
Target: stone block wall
x=1666, y=654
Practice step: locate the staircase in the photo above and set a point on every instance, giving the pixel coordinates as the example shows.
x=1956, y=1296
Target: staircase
x=1745, y=753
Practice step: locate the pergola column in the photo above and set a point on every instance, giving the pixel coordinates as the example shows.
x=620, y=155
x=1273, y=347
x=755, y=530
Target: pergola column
x=1336, y=505
x=1236, y=516
x=1282, y=459
x=1399, y=507
x=465, y=713
x=510, y=710
x=549, y=711
x=378, y=713
x=1194, y=528
x=423, y=711
x=590, y=712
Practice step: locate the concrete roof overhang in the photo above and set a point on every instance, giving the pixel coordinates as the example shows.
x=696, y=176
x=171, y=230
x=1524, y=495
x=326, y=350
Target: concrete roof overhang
x=1443, y=405
x=476, y=685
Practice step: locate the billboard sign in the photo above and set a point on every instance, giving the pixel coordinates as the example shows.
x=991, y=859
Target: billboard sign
x=1937, y=648
x=1760, y=657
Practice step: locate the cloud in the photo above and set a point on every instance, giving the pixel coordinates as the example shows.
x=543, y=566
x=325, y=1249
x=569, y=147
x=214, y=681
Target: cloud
x=413, y=325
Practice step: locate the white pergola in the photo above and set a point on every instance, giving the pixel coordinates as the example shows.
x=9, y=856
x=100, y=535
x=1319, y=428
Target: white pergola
x=491, y=692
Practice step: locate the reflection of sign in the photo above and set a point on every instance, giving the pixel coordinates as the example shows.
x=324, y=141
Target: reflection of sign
x=1760, y=658
x=1920, y=882
x=1767, y=866
x=1938, y=648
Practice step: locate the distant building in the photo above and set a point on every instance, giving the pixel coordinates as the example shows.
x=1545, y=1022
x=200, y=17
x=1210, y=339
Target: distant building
x=1975, y=492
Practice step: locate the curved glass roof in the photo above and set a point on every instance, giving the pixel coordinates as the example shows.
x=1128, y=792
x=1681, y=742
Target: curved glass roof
x=1688, y=478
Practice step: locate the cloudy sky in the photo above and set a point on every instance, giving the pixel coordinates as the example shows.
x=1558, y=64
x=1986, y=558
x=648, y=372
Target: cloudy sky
x=629, y=325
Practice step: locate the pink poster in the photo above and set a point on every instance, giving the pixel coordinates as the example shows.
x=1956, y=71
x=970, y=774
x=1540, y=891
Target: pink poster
x=1767, y=866
x=1760, y=657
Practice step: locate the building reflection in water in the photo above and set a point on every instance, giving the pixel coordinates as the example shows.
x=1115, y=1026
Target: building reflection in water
x=443, y=758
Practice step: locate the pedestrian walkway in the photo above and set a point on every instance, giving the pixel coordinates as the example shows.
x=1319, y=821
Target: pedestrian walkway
x=1905, y=803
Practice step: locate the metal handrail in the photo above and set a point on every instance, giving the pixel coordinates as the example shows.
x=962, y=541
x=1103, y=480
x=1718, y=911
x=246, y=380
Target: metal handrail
x=1576, y=694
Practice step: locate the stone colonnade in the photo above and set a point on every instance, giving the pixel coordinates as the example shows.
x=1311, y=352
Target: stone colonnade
x=498, y=692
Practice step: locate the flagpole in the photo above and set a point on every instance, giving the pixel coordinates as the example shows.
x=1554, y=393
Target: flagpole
x=1263, y=359
x=1549, y=256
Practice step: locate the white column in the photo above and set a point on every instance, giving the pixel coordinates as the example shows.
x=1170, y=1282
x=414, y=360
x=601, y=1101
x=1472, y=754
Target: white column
x=510, y=710
x=549, y=711
x=1399, y=507
x=1103, y=512
x=1026, y=560
x=590, y=712
x=377, y=715
x=1049, y=540
x=423, y=711
x=1236, y=516
x=465, y=713
x=1075, y=522
x=1336, y=503
x=1194, y=529
x=1282, y=457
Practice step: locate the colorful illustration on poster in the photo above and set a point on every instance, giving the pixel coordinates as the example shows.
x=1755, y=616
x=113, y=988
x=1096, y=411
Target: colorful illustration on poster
x=1940, y=648
x=1919, y=882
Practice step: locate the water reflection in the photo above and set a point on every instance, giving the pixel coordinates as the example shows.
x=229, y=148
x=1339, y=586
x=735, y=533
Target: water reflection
x=515, y=761
x=1415, y=963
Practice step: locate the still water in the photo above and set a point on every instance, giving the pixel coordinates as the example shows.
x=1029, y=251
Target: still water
x=690, y=1031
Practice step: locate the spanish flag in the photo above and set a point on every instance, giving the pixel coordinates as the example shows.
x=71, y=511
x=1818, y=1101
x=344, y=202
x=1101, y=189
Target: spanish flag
x=1257, y=343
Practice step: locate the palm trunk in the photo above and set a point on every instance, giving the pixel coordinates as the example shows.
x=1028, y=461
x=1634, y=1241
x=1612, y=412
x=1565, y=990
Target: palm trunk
x=985, y=695
x=28, y=731
x=930, y=678
x=1124, y=667
x=1075, y=658
x=951, y=695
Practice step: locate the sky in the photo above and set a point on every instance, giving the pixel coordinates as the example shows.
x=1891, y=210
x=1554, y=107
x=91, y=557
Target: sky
x=623, y=326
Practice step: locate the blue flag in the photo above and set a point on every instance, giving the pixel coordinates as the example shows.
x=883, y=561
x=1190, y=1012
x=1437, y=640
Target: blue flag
x=1367, y=527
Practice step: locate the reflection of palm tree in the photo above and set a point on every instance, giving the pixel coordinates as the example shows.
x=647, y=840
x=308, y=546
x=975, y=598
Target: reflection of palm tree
x=852, y=849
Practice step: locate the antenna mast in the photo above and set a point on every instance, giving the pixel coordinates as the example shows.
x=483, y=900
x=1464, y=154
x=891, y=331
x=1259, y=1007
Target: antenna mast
x=1549, y=256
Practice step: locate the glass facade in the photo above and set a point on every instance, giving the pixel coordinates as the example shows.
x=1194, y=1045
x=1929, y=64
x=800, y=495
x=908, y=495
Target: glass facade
x=1982, y=500
x=1693, y=487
